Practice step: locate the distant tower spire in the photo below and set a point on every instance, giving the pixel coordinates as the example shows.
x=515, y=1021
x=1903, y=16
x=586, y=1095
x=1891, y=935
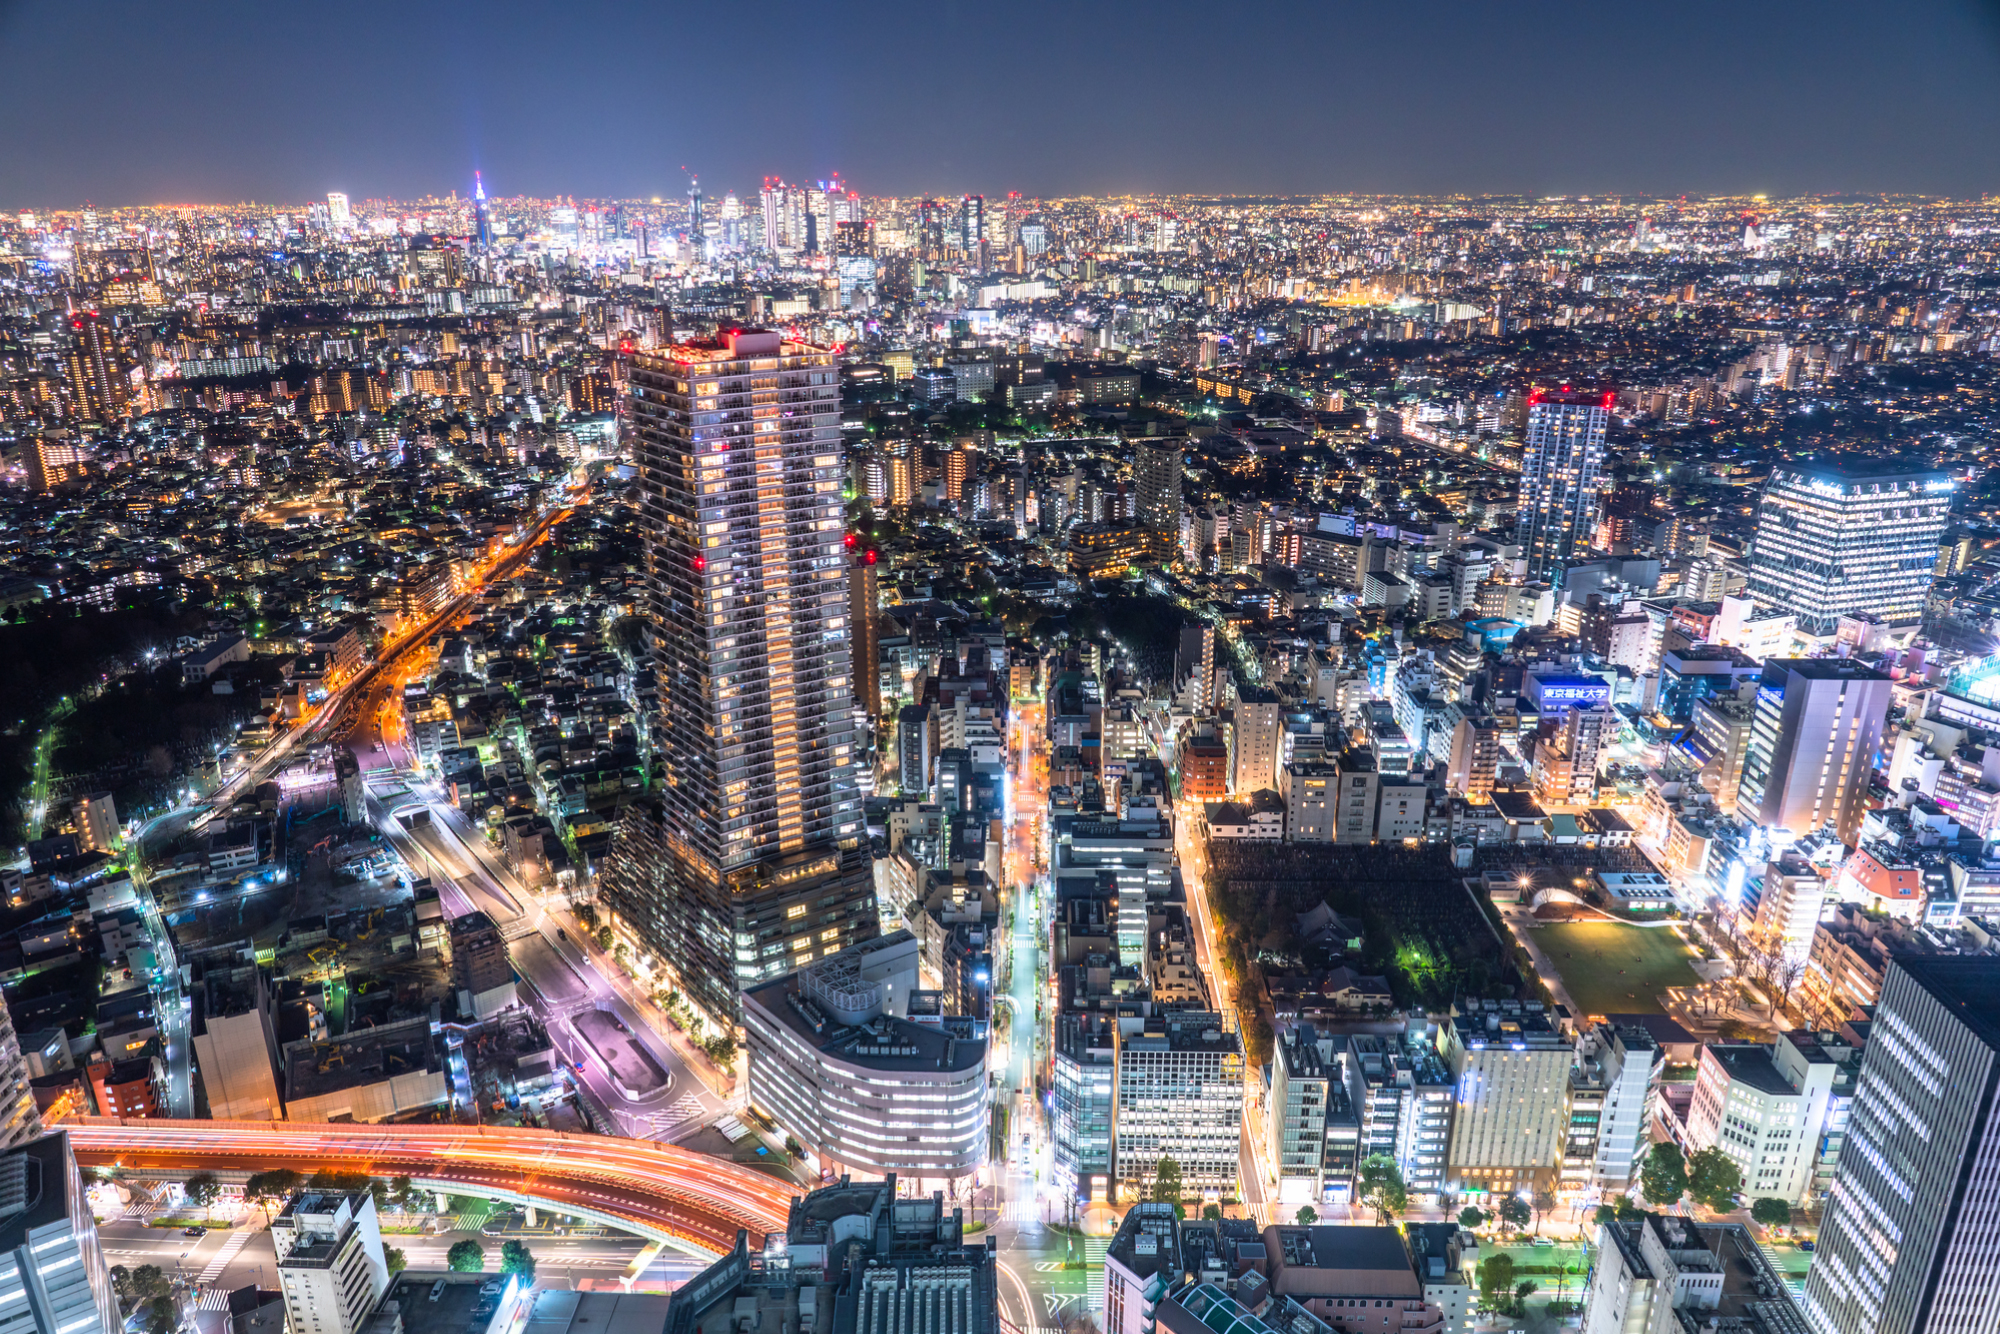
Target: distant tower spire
x=483, y=220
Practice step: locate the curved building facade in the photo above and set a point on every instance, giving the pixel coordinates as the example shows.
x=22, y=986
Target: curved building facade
x=836, y=1062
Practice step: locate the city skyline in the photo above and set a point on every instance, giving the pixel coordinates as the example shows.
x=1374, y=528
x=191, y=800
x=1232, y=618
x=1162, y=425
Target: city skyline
x=1458, y=102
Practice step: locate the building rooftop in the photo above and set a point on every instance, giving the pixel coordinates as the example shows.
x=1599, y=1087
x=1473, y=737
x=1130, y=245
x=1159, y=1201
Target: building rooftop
x=1751, y=1064
x=34, y=1188
x=1967, y=987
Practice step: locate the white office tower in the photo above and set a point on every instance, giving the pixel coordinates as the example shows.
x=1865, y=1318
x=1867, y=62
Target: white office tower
x=53, y=1278
x=1179, y=1096
x=1812, y=745
x=1834, y=540
x=1561, y=465
x=1629, y=1064
x=337, y=211
x=331, y=1267
x=1911, y=1238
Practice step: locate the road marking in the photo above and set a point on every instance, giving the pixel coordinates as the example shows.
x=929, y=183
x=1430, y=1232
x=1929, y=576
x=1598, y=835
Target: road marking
x=222, y=1257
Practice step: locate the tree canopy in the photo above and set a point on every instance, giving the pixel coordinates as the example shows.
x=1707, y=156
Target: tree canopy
x=1663, y=1178
x=466, y=1257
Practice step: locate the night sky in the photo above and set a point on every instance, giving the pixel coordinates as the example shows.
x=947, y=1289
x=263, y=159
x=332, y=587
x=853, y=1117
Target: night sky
x=122, y=102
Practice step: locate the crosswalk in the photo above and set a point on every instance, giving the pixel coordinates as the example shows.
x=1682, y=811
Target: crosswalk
x=1093, y=1254
x=470, y=1222
x=212, y=1299
x=224, y=1254
x=1797, y=1285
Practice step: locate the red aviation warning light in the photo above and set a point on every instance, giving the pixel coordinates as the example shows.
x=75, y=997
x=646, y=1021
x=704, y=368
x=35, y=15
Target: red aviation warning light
x=700, y=564
x=869, y=558
x=849, y=541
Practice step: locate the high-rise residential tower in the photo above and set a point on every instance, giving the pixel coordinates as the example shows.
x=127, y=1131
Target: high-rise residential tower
x=97, y=391
x=20, y=1120
x=1833, y=539
x=1813, y=737
x=1911, y=1238
x=1560, y=468
x=748, y=864
x=1156, y=467
x=864, y=604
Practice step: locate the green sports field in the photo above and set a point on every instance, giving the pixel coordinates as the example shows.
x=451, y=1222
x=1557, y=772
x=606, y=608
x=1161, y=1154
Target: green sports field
x=1610, y=968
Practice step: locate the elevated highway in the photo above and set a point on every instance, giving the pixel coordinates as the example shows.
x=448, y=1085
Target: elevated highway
x=665, y=1194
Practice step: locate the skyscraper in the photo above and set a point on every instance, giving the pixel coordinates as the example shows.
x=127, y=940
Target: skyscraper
x=1911, y=1238
x=1839, y=538
x=337, y=211
x=482, y=218
x=1559, y=478
x=971, y=223
x=53, y=1276
x=748, y=864
x=1813, y=737
x=1156, y=467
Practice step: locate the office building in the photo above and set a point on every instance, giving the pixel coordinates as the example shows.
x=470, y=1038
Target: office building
x=853, y=1258
x=338, y=211
x=1313, y=1131
x=331, y=1265
x=1812, y=745
x=1180, y=1096
x=1766, y=1106
x=836, y=1062
x=1626, y=1064
x=1083, y=1075
x=1670, y=1275
x=1511, y=1119
x=1911, y=1236
x=1156, y=467
x=1404, y=1097
x=749, y=856
x=1561, y=462
x=53, y=1276
x=1834, y=539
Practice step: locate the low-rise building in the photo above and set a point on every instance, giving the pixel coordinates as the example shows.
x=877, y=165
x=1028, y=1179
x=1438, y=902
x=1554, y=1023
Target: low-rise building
x=1670, y=1275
